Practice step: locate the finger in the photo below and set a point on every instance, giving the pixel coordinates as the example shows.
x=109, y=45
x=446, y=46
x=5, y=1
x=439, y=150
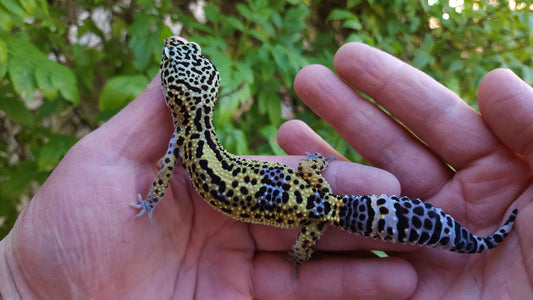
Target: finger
x=506, y=104
x=340, y=176
x=295, y=137
x=372, y=133
x=435, y=114
x=333, y=278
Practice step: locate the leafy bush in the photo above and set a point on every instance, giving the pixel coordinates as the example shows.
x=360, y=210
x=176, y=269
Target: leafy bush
x=69, y=66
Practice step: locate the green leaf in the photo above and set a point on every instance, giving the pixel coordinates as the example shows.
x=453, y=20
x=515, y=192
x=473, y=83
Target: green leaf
x=65, y=81
x=49, y=108
x=294, y=19
x=339, y=14
x=17, y=111
x=233, y=139
x=279, y=53
x=52, y=152
x=3, y=69
x=5, y=20
x=277, y=21
x=53, y=77
x=223, y=64
x=261, y=35
x=230, y=103
x=453, y=84
x=527, y=74
x=274, y=109
x=244, y=10
x=269, y=132
x=44, y=80
x=119, y=91
x=3, y=51
x=235, y=23
x=142, y=51
x=16, y=179
x=44, y=6
x=267, y=68
x=269, y=102
x=422, y=58
x=165, y=33
x=455, y=66
x=28, y=5
x=23, y=59
x=352, y=24
x=23, y=77
x=297, y=60
x=244, y=72
x=140, y=26
x=428, y=42
x=14, y=7
x=352, y=3
x=144, y=36
x=530, y=28
x=381, y=254
x=147, y=4
x=212, y=13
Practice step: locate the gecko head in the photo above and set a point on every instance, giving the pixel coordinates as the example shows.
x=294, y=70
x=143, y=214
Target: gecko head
x=188, y=77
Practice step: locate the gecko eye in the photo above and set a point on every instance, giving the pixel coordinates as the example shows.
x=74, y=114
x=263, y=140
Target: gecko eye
x=166, y=52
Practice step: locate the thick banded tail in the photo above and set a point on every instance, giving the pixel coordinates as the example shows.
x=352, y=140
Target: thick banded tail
x=413, y=221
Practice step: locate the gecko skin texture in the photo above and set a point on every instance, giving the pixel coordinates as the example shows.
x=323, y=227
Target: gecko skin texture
x=274, y=194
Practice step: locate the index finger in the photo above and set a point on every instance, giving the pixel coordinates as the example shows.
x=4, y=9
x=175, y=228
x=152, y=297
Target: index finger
x=451, y=129
x=371, y=132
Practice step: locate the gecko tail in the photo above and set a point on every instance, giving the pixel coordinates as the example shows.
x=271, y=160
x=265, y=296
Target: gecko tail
x=469, y=243
x=404, y=220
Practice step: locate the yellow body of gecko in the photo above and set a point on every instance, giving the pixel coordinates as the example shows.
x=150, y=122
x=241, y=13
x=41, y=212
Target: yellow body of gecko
x=275, y=194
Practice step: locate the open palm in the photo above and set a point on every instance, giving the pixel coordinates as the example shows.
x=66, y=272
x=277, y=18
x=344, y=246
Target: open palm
x=490, y=155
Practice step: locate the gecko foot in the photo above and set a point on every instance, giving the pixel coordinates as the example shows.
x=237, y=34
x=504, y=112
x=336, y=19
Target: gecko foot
x=143, y=206
x=318, y=156
x=291, y=256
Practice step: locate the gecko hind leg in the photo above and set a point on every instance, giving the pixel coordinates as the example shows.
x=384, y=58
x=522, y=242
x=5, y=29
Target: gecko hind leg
x=309, y=169
x=307, y=238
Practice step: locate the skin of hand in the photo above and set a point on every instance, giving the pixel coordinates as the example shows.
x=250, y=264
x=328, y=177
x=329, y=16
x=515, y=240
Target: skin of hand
x=491, y=154
x=77, y=238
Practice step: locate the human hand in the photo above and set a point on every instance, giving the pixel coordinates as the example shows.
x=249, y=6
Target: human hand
x=490, y=152
x=78, y=239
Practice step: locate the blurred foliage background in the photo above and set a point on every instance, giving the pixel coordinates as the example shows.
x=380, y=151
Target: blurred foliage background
x=67, y=66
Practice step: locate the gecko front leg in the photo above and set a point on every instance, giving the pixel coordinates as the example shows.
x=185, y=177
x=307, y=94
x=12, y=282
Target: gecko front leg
x=161, y=181
x=310, y=168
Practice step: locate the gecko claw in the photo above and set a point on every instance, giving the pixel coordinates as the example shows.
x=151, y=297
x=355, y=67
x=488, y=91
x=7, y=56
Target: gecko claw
x=318, y=154
x=291, y=257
